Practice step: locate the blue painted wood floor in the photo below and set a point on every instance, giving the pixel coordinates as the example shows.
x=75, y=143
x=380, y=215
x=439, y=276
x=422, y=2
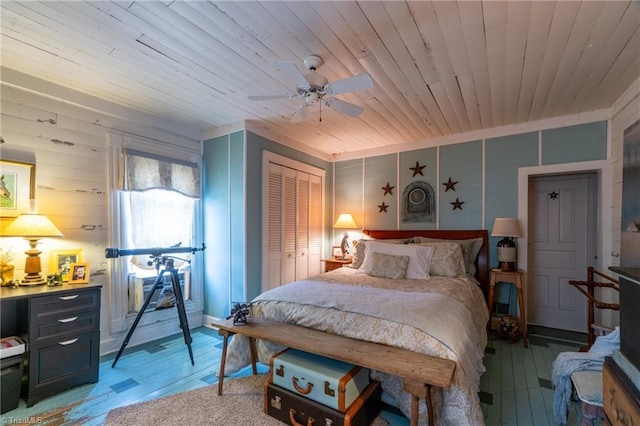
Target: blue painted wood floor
x=515, y=390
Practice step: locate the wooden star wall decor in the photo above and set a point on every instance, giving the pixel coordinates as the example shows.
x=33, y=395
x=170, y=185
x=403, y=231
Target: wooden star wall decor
x=450, y=185
x=383, y=207
x=417, y=170
x=457, y=204
x=388, y=189
x=554, y=195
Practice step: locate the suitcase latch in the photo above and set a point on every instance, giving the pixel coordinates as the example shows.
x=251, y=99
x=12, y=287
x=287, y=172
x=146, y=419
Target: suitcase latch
x=280, y=371
x=275, y=403
x=328, y=390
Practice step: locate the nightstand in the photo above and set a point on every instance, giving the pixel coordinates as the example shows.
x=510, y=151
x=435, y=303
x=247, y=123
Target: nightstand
x=515, y=278
x=333, y=263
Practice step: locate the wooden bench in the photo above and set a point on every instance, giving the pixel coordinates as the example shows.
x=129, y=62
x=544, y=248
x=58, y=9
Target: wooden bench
x=419, y=371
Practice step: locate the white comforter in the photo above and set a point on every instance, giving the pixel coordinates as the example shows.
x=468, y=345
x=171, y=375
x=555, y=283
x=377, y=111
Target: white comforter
x=444, y=317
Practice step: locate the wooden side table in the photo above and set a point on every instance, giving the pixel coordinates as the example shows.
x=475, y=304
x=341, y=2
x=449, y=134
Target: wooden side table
x=333, y=263
x=513, y=277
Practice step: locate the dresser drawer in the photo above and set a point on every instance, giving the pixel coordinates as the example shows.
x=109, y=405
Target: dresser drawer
x=620, y=397
x=73, y=301
x=61, y=365
x=65, y=325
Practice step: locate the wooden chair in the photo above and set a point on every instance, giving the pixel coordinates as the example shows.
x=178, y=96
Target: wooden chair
x=590, y=284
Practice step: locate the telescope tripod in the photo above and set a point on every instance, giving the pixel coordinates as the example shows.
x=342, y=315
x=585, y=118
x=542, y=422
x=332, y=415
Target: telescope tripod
x=177, y=291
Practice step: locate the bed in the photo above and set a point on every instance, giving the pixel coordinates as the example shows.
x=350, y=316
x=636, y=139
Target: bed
x=418, y=290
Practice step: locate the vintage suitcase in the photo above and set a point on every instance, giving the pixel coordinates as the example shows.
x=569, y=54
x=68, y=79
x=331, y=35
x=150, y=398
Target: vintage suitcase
x=295, y=409
x=333, y=383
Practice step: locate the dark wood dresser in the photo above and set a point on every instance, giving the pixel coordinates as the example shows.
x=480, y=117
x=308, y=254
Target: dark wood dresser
x=621, y=374
x=61, y=326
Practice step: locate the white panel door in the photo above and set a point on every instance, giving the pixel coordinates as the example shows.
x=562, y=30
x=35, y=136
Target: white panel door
x=559, y=239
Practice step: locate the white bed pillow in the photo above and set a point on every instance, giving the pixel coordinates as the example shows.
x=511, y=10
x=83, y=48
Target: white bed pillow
x=470, y=250
x=447, y=259
x=389, y=266
x=360, y=248
x=419, y=257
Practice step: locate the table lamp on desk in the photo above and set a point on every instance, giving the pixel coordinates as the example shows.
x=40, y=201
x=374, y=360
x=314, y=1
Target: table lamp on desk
x=509, y=229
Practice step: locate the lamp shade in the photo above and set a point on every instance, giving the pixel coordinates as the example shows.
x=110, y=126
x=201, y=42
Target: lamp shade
x=505, y=227
x=345, y=221
x=32, y=225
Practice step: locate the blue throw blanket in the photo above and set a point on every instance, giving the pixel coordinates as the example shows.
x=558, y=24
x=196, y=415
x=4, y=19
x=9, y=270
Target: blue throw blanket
x=568, y=362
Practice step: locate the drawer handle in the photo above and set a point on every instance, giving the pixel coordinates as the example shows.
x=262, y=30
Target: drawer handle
x=68, y=319
x=68, y=342
x=300, y=389
x=68, y=297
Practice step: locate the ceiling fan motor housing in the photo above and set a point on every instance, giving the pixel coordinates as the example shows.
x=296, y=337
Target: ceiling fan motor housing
x=313, y=62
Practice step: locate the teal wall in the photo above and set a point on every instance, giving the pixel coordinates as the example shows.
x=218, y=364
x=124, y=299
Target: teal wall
x=233, y=215
x=585, y=142
x=217, y=236
x=486, y=172
x=462, y=163
x=488, y=167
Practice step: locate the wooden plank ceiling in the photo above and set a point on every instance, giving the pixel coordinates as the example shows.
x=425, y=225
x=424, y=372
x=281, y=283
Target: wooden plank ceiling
x=440, y=68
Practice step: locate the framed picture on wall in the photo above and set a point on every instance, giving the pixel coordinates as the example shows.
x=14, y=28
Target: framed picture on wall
x=79, y=273
x=60, y=261
x=17, y=187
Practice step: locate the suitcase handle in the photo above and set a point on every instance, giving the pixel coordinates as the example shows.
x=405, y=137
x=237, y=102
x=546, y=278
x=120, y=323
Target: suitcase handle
x=292, y=418
x=299, y=388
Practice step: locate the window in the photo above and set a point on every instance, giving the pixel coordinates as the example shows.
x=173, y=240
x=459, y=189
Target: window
x=155, y=204
x=156, y=218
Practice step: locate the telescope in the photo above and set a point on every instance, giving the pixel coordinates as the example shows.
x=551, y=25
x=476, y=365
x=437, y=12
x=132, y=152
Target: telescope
x=112, y=252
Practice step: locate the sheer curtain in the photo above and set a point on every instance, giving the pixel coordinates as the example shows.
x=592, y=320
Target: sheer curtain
x=159, y=197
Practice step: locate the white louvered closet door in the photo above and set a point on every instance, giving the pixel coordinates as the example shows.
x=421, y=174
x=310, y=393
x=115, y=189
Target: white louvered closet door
x=315, y=225
x=289, y=204
x=302, y=226
x=294, y=234
x=273, y=258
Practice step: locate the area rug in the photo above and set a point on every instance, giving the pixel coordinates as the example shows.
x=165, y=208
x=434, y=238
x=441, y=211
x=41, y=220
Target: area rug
x=241, y=403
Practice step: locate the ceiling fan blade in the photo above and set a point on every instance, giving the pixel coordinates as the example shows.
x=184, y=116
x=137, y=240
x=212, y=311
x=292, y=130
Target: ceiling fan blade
x=344, y=107
x=294, y=74
x=350, y=84
x=270, y=97
x=301, y=114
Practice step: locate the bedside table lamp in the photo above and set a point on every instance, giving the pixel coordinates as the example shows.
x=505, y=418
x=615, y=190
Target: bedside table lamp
x=32, y=227
x=509, y=229
x=345, y=221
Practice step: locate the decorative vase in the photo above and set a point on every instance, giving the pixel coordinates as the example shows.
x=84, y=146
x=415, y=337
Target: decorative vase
x=6, y=273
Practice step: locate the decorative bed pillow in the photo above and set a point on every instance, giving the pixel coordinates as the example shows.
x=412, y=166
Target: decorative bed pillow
x=419, y=257
x=358, y=256
x=447, y=259
x=389, y=266
x=470, y=250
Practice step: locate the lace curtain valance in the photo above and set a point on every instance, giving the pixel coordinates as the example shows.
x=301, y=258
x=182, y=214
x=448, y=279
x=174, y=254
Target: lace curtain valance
x=140, y=171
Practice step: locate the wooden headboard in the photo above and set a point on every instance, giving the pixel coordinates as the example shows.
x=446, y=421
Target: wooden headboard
x=482, y=261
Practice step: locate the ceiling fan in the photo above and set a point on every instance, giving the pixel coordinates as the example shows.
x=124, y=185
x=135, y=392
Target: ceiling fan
x=313, y=87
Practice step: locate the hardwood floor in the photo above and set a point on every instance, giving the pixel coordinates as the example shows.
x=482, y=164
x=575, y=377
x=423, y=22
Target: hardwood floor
x=515, y=389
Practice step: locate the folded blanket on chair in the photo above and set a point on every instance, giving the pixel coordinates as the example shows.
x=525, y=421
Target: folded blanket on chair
x=568, y=362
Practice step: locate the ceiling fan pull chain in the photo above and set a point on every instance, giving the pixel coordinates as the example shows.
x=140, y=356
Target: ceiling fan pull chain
x=320, y=112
